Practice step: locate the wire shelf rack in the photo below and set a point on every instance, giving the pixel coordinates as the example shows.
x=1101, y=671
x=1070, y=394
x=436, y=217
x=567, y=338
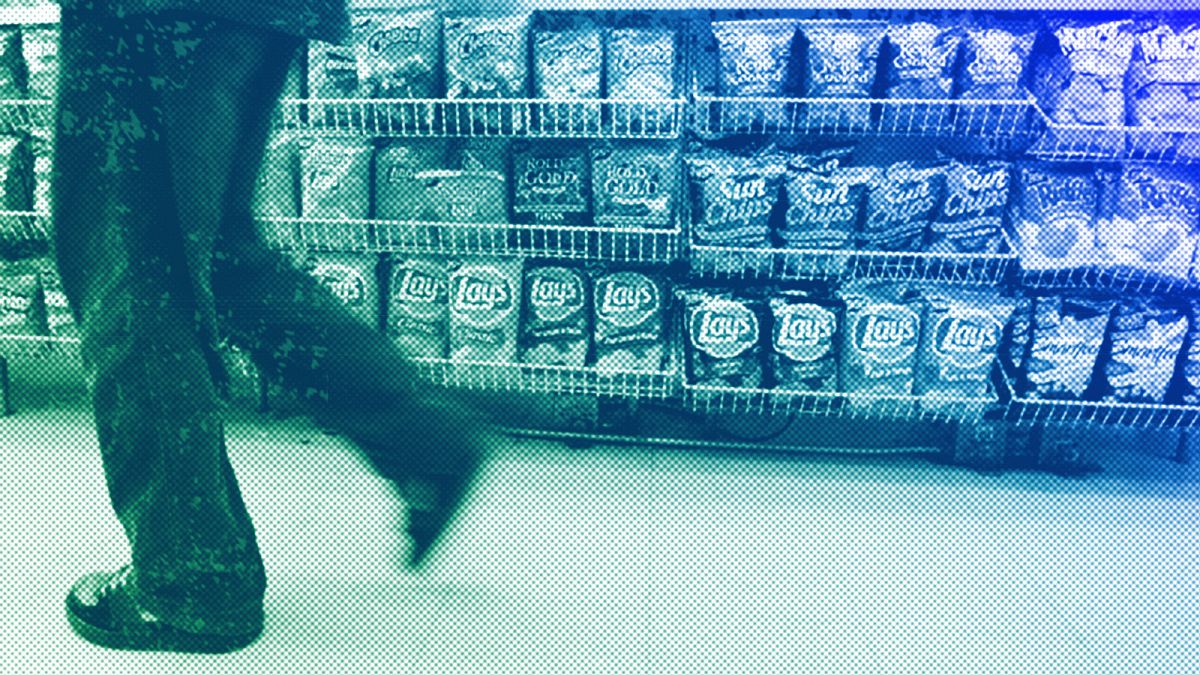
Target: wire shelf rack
x=1026, y=411
x=623, y=244
x=517, y=117
x=1082, y=142
x=765, y=264
x=26, y=114
x=994, y=119
x=1110, y=279
x=491, y=376
x=709, y=399
x=547, y=379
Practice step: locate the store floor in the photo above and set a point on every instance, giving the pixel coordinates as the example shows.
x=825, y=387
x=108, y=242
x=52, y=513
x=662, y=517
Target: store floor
x=629, y=560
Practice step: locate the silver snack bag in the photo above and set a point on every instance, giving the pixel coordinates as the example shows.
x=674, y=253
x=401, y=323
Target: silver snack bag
x=397, y=52
x=398, y=162
x=842, y=57
x=642, y=63
x=555, y=329
x=485, y=297
x=880, y=338
x=351, y=277
x=568, y=63
x=1164, y=90
x=418, y=306
x=630, y=321
x=487, y=57
x=336, y=178
x=636, y=183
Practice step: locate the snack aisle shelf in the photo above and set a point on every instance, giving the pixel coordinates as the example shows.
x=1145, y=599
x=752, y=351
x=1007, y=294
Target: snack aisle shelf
x=1014, y=128
x=493, y=117
x=43, y=13
x=640, y=245
x=793, y=264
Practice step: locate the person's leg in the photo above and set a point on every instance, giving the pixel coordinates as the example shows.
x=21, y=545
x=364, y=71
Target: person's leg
x=355, y=380
x=296, y=329
x=196, y=566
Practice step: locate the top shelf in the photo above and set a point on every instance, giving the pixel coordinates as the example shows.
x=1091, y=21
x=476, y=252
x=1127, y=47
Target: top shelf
x=965, y=5
x=40, y=12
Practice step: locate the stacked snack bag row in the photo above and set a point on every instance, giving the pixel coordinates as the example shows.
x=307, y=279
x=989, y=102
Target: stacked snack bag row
x=507, y=310
x=819, y=199
x=423, y=55
x=879, y=339
x=1099, y=348
x=938, y=342
x=543, y=182
x=941, y=342
x=1100, y=72
x=1138, y=219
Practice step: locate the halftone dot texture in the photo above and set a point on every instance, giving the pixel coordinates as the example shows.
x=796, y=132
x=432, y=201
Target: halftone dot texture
x=882, y=235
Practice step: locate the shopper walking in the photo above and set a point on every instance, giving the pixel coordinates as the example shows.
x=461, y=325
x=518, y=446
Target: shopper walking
x=163, y=115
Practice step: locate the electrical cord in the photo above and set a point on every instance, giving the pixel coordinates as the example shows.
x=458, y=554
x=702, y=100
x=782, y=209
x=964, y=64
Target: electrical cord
x=731, y=435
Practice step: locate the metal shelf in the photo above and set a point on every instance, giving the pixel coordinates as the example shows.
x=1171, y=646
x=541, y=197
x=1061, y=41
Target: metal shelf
x=1085, y=143
x=1031, y=411
x=618, y=244
x=737, y=400
x=532, y=118
x=765, y=264
x=990, y=119
x=26, y=114
x=1098, y=278
x=530, y=378
x=470, y=375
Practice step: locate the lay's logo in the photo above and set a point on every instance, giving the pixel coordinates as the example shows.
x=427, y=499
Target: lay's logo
x=886, y=333
x=719, y=328
x=617, y=296
x=417, y=286
x=555, y=293
x=478, y=293
x=723, y=328
x=15, y=303
x=344, y=281
x=805, y=330
x=399, y=35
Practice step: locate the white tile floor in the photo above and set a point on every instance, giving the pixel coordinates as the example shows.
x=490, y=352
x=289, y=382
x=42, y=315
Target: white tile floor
x=634, y=561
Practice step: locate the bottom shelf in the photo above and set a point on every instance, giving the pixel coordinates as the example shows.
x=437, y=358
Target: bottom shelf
x=1026, y=411
x=667, y=385
x=737, y=400
x=532, y=378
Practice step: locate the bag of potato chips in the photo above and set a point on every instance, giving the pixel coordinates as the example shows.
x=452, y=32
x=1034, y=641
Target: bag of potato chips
x=1164, y=91
x=1084, y=85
